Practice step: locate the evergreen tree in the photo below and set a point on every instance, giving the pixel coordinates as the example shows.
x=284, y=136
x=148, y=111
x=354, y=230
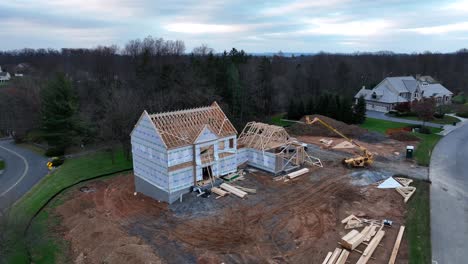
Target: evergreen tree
x=360, y=111
x=59, y=107
x=310, y=108
x=346, y=111
x=300, y=112
x=235, y=90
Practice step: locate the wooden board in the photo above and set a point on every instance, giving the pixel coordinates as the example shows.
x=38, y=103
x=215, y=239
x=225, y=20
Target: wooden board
x=343, y=257
x=325, y=261
x=218, y=191
x=354, y=241
x=404, y=181
x=334, y=257
x=372, y=231
x=233, y=190
x=367, y=253
x=397, y=245
x=298, y=173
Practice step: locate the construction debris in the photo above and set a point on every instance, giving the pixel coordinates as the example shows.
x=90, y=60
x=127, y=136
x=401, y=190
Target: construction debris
x=367, y=253
x=325, y=142
x=406, y=192
x=397, y=245
x=343, y=145
x=389, y=183
x=249, y=190
x=352, y=222
x=297, y=173
x=233, y=190
x=355, y=238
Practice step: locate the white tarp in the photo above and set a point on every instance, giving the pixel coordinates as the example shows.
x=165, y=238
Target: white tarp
x=389, y=183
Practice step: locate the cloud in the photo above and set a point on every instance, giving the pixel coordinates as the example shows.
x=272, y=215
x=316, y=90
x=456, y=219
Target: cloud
x=457, y=6
x=299, y=6
x=348, y=28
x=441, y=29
x=197, y=28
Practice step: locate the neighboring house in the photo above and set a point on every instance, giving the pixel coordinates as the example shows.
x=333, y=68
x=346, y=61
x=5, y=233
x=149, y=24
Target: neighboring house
x=174, y=151
x=394, y=90
x=4, y=77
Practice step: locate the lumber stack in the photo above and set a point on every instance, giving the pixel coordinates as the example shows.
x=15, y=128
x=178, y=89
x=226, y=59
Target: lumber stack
x=233, y=190
x=218, y=191
x=355, y=238
x=297, y=173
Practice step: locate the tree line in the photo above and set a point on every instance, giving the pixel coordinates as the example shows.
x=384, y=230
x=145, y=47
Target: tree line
x=108, y=87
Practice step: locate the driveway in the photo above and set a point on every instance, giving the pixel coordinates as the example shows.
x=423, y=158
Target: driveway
x=449, y=198
x=382, y=116
x=24, y=168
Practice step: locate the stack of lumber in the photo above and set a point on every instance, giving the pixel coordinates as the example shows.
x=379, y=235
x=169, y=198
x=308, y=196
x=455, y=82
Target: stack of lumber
x=338, y=256
x=249, y=190
x=355, y=238
x=218, y=191
x=233, y=190
x=343, y=145
x=297, y=173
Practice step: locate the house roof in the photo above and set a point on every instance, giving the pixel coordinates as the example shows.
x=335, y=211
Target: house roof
x=384, y=95
x=263, y=136
x=363, y=92
x=402, y=84
x=183, y=127
x=435, y=89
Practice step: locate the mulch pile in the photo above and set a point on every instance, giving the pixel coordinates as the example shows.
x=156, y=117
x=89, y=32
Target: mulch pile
x=318, y=129
x=404, y=136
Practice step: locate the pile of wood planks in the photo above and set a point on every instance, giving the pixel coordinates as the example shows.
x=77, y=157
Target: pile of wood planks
x=219, y=192
x=352, y=222
x=372, y=232
x=338, y=256
x=233, y=190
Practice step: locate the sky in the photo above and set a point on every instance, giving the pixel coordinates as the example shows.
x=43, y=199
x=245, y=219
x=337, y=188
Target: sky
x=255, y=26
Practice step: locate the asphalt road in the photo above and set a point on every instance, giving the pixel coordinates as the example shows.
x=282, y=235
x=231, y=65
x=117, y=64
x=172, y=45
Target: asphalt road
x=24, y=168
x=380, y=115
x=449, y=198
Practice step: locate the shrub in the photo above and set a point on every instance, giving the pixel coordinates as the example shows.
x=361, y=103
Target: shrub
x=53, y=152
x=463, y=114
x=424, y=130
x=439, y=115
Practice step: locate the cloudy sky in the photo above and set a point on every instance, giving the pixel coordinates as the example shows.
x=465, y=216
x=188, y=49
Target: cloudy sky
x=289, y=25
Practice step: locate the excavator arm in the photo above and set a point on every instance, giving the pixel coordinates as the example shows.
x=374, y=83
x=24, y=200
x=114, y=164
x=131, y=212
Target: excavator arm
x=364, y=160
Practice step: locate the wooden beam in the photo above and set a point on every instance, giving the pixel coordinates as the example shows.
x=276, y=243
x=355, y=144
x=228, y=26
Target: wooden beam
x=367, y=254
x=397, y=245
x=325, y=261
x=334, y=257
x=342, y=259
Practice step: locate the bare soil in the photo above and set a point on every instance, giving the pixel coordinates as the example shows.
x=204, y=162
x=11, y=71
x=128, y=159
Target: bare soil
x=319, y=130
x=285, y=222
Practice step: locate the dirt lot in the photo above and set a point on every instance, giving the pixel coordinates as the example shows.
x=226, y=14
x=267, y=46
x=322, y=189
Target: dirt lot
x=285, y=222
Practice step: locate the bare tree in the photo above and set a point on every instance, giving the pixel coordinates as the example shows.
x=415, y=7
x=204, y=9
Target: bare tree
x=202, y=50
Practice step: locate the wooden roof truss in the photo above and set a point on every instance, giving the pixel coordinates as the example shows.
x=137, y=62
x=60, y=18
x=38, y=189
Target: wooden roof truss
x=263, y=136
x=180, y=128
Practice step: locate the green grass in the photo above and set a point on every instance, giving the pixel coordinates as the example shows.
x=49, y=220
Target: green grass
x=446, y=120
x=71, y=172
x=418, y=227
x=276, y=120
x=2, y=164
x=423, y=150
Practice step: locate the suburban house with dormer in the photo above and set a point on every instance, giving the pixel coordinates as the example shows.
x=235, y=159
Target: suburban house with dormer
x=394, y=90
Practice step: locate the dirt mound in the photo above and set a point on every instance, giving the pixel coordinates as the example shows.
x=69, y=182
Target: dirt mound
x=404, y=136
x=318, y=129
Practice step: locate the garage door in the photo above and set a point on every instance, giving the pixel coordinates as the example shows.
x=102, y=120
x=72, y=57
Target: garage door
x=378, y=108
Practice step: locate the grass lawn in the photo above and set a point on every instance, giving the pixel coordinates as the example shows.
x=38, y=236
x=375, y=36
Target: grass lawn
x=423, y=150
x=2, y=164
x=446, y=120
x=71, y=172
x=418, y=231
x=276, y=120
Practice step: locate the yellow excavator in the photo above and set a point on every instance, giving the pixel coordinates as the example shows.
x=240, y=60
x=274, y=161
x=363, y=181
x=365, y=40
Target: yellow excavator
x=363, y=160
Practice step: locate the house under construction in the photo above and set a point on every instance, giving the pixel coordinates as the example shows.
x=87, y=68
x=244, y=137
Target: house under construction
x=174, y=151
